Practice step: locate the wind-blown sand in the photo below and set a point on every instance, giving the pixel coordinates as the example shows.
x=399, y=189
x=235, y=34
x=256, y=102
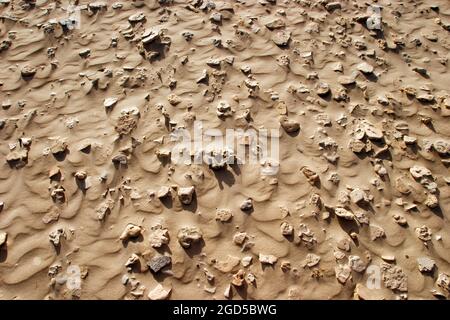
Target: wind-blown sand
x=367, y=113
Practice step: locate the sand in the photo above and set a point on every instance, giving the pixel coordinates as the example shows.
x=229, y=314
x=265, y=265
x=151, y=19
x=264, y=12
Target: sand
x=93, y=208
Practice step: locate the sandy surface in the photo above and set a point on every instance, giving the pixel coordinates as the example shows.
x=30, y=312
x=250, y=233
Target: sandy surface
x=376, y=142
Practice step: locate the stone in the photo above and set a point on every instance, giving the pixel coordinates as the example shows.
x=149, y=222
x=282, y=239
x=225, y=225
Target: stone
x=159, y=293
x=423, y=233
x=310, y=175
x=322, y=89
x=58, y=147
x=442, y=147
x=425, y=264
x=357, y=264
x=432, y=201
x=400, y=220
x=238, y=278
x=343, y=273
x=306, y=236
x=132, y=260
x=173, y=99
x=344, y=213
x=290, y=126
x=281, y=38
x=163, y=192
x=239, y=238
x=376, y=232
x=159, y=236
x=55, y=236
x=275, y=24
x=131, y=231
x=159, y=262
x=358, y=196
x=137, y=17
x=3, y=238
x=443, y=281
x=110, y=102
x=224, y=215
x=246, y=261
x=28, y=71
x=419, y=172
x=364, y=67
x=247, y=205
x=311, y=260
x=189, y=235
x=393, y=277
x=286, y=229
x=186, y=195
x=223, y=109
x=80, y=175
x=267, y=259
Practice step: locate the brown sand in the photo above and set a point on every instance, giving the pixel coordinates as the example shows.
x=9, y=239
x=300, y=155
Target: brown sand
x=51, y=185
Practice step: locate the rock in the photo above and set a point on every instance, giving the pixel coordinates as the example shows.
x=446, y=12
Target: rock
x=357, y=146
x=306, y=236
x=267, y=259
x=432, y=201
x=186, y=195
x=216, y=17
x=358, y=196
x=131, y=231
x=423, y=233
x=344, y=213
x=174, y=99
x=239, y=238
x=419, y=172
x=17, y=158
x=343, y=273
x=159, y=262
x=3, y=238
x=159, y=236
x=228, y=264
x=163, y=192
x=443, y=282
x=80, y=175
x=110, y=102
x=120, y=159
x=137, y=17
x=203, y=77
x=393, y=277
x=425, y=264
x=401, y=220
x=85, y=53
x=223, y=109
x=187, y=35
x=275, y=24
x=425, y=97
x=333, y=6
x=247, y=205
x=371, y=131
x=58, y=147
x=310, y=175
x=346, y=80
x=224, y=215
x=228, y=292
x=238, y=278
x=322, y=89
x=357, y=264
x=28, y=71
x=246, y=261
x=189, y=235
x=132, y=260
x=376, y=232
x=159, y=293
x=311, y=260
x=281, y=38
x=55, y=236
x=388, y=258
x=364, y=67
x=290, y=126
x=442, y=147
x=286, y=229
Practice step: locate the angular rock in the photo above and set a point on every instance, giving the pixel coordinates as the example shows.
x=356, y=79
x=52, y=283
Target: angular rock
x=131, y=231
x=186, y=195
x=159, y=262
x=189, y=235
x=159, y=293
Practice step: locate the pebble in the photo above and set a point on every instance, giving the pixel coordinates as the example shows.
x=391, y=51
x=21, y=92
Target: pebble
x=224, y=215
x=393, y=277
x=286, y=229
x=267, y=259
x=159, y=236
x=281, y=38
x=159, y=262
x=186, y=195
x=247, y=205
x=189, y=235
x=364, y=67
x=425, y=264
x=131, y=231
x=311, y=260
x=159, y=293
x=290, y=126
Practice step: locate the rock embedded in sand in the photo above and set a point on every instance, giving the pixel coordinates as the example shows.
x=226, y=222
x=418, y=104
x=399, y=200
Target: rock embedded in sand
x=137, y=17
x=364, y=67
x=159, y=293
x=131, y=231
x=311, y=260
x=157, y=263
x=189, y=235
x=344, y=213
x=443, y=281
x=28, y=71
x=419, y=172
x=281, y=38
x=357, y=264
x=163, y=192
x=132, y=260
x=425, y=264
x=186, y=195
x=58, y=147
x=376, y=232
x=290, y=126
x=3, y=238
x=286, y=229
x=358, y=196
x=393, y=277
x=267, y=259
x=322, y=89
x=110, y=102
x=238, y=278
x=239, y=238
x=442, y=147
x=159, y=236
x=423, y=233
x=343, y=273
x=55, y=236
x=276, y=23
x=310, y=175
x=247, y=205
x=223, y=109
x=223, y=215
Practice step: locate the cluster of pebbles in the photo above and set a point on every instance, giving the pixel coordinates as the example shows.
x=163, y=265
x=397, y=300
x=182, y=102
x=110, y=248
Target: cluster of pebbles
x=362, y=192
